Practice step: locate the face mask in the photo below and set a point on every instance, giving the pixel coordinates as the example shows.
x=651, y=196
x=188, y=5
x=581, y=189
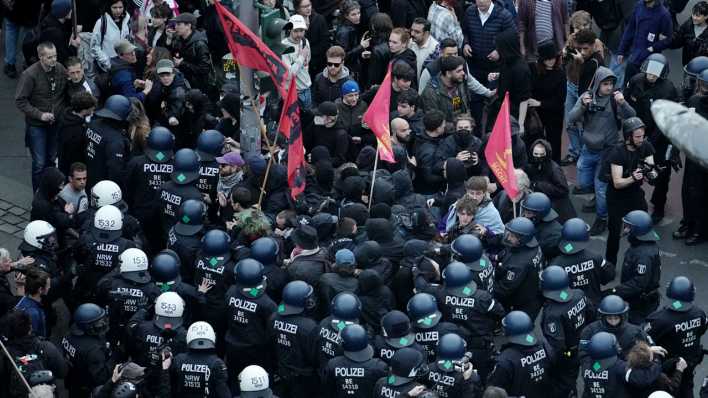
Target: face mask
x=463, y=138
x=537, y=159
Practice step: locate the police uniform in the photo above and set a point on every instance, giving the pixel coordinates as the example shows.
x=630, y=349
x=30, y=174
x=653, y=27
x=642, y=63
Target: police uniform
x=428, y=337
x=186, y=247
x=483, y=273
x=448, y=382
x=294, y=338
x=517, y=281
x=90, y=362
x=384, y=350
x=548, y=234
x=218, y=273
x=641, y=273
x=170, y=197
x=198, y=374
x=587, y=271
x=626, y=333
x=345, y=378
x=207, y=182
x=132, y=228
x=562, y=323
x=195, y=301
x=523, y=370
x=387, y=388
x=107, y=152
x=604, y=382
x=329, y=341
x=96, y=258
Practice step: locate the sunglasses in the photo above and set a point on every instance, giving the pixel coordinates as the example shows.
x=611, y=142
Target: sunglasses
x=334, y=64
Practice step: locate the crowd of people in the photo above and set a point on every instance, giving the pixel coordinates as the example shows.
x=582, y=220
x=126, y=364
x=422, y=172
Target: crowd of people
x=190, y=270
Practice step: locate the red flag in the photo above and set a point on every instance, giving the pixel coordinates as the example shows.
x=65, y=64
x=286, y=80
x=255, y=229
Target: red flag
x=291, y=129
x=377, y=118
x=250, y=51
x=498, y=151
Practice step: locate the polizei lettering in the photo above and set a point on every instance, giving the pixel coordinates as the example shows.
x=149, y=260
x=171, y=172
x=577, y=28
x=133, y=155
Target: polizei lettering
x=157, y=168
x=579, y=268
x=107, y=247
x=171, y=198
x=208, y=171
x=531, y=359
x=285, y=327
x=460, y=301
x=243, y=305
x=349, y=372
x=577, y=308
x=195, y=367
x=688, y=325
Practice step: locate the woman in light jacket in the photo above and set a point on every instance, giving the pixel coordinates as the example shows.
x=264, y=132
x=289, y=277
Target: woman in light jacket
x=113, y=26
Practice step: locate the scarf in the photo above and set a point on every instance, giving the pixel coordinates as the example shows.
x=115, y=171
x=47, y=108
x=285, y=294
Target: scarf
x=226, y=184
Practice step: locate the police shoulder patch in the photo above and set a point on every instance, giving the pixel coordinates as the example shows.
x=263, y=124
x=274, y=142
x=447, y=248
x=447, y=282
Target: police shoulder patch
x=552, y=327
x=641, y=269
x=510, y=275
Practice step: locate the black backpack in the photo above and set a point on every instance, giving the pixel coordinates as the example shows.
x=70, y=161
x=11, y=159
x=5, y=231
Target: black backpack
x=27, y=363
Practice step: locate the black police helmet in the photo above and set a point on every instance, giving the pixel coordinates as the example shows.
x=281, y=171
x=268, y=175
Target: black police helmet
x=124, y=389
x=355, y=343
x=467, y=248
x=555, y=284
x=160, y=145
x=165, y=267
x=265, y=250
x=216, y=243
x=423, y=310
x=407, y=364
x=186, y=168
x=602, y=350
x=682, y=293
x=297, y=297
x=345, y=307
x=575, y=236
x=524, y=229
x=631, y=124
x=458, y=279
x=518, y=328
x=451, y=347
x=90, y=319
x=612, y=305
x=210, y=143
x=190, y=217
x=540, y=204
x=396, y=329
x=116, y=107
x=640, y=225
x=248, y=272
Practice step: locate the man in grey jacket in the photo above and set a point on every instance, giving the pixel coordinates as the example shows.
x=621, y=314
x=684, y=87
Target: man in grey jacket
x=600, y=111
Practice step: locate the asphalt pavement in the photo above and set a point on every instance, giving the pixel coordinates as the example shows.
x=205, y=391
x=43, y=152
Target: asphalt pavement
x=16, y=198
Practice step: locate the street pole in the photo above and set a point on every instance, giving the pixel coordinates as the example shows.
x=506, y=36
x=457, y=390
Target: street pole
x=250, y=120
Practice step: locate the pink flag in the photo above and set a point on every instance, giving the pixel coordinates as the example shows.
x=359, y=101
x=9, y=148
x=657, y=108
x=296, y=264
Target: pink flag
x=498, y=151
x=376, y=117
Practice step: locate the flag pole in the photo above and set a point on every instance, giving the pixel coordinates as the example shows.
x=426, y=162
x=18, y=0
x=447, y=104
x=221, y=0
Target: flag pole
x=19, y=373
x=373, y=178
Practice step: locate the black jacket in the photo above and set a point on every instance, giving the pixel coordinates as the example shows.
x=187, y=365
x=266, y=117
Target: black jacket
x=376, y=299
x=52, y=30
x=107, y=152
x=196, y=59
x=348, y=37
x=173, y=97
x=49, y=207
x=335, y=139
x=685, y=37
x=380, y=58
x=403, y=12
x=547, y=177
x=318, y=36
x=430, y=179
x=309, y=267
x=51, y=357
x=72, y=140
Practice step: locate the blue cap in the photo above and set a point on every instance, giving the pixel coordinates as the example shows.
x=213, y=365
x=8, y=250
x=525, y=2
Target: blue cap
x=61, y=8
x=345, y=257
x=350, y=86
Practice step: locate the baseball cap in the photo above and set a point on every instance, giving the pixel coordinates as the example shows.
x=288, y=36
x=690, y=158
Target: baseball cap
x=344, y=257
x=123, y=47
x=349, y=87
x=186, y=17
x=327, y=108
x=164, y=66
x=298, y=22
x=231, y=158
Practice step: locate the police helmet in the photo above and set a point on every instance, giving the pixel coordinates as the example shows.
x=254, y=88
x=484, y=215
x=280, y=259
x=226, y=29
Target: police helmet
x=253, y=379
x=169, y=309
x=555, y=284
x=603, y=349
x=451, y=347
x=216, y=246
x=124, y=389
x=657, y=65
x=165, y=268
x=575, y=236
x=248, y=273
x=186, y=168
x=298, y=296
x=108, y=223
x=160, y=145
x=518, y=328
x=467, y=248
x=396, y=329
x=630, y=125
x=355, y=343
x=134, y=265
x=210, y=144
x=407, y=364
x=612, y=305
x=90, y=319
x=681, y=292
x=106, y=192
x=42, y=235
x=703, y=76
x=201, y=336
x=40, y=377
x=539, y=204
x=423, y=310
x=524, y=230
x=265, y=250
x=345, y=309
x=116, y=107
x=638, y=224
x=690, y=74
x=458, y=279
x=190, y=217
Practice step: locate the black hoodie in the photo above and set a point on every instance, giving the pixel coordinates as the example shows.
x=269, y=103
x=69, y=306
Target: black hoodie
x=72, y=140
x=369, y=255
x=381, y=231
x=376, y=299
x=547, y=177
x=47, y=205
x=514, y=74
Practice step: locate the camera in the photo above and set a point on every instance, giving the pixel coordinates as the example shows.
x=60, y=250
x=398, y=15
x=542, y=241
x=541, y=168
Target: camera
x=568, y=55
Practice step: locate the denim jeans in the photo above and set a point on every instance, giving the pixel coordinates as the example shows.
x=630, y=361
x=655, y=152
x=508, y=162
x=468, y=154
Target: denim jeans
x=13, y=33
x=589, y=165
x=305, y=98
x=571, y=97
x=42, y=142
x=618, y=69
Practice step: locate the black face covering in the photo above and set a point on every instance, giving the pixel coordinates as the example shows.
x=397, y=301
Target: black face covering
x=537, y=159
x=463, y=138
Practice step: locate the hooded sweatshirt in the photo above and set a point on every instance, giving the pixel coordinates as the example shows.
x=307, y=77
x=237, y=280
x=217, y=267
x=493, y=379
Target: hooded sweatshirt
x=376, y=298
x=646, y=27
x=324, y=89
x=599, y=121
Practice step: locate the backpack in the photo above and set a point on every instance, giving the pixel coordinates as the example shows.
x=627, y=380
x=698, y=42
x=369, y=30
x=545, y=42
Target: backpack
x=27, y=363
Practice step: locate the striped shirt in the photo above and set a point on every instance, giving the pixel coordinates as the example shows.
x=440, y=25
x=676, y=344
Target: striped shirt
x=544, y=23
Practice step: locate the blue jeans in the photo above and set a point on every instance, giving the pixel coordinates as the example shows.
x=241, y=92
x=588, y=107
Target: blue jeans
x=305, y=98
x=589, y=164
x=571, y=97
x=618, y=69
x=13, y=33
x=42, y=143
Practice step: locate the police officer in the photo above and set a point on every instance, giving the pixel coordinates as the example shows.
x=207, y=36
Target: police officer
x=516, y=285
x=396, y=333
x=255, y=383
x=678, y=327
x=125, y=293
x=468, y=249
x=452, y=374
x=345, y=309
x=199, y=372
x=108, y=144
x=293, y=334
x=266, y=250
x=210, y=144
x=690, y=74
x=537, y=208
x=109, y=193
x=604, y=372
x=613, y=319
x=354, y=372
x=88, y=352
x=249, y=311
x=99, y=251
x=214, y=268
x=524, y=363
x=641, y=269
x=145, y=176
x=164, y=270
x=182, y=186
x=586, y=270
x=472, y=309
x=407, y=372
x=186, y=235
x=148, y=338
x=428, y=324
x=566, y=312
